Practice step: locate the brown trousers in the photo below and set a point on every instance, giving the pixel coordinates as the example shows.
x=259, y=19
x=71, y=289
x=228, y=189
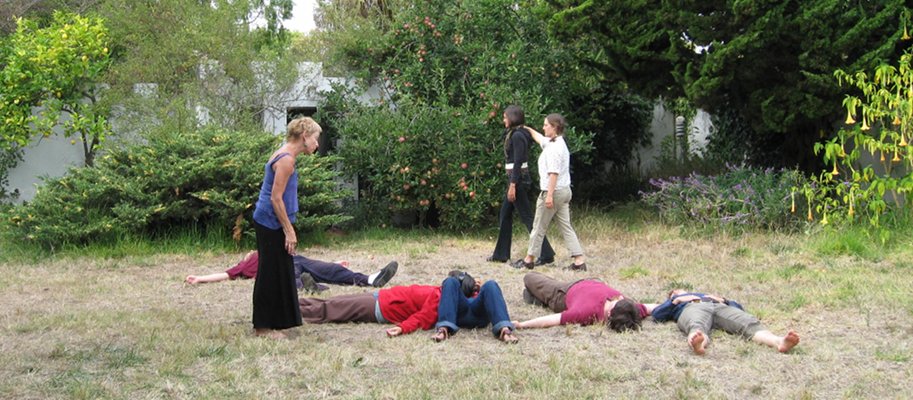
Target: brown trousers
x=345, y=308
x=548, y=290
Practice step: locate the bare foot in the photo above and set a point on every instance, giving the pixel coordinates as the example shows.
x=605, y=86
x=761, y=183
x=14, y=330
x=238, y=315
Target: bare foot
x=270, y=333
x=441, y=335
x=789, y=341
x=507, y=336
x=697, y=342
x=344, y=263
x=191, y=279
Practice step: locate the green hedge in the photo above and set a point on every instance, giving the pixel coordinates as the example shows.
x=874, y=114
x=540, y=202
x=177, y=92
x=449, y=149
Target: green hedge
x=208, y=178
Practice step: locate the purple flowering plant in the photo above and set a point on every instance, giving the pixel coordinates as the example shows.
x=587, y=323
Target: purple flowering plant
x=740, y=198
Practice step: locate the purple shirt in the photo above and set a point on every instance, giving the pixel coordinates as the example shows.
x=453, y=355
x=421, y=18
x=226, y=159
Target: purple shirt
x=264, y=213
x=586, y=303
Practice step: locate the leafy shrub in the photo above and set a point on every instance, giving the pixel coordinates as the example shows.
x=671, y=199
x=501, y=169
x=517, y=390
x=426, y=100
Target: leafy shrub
x=439, y=160
x=416, y=158
x=740, y=198
x=447, y=88
x=855, y=187
x=209, y=177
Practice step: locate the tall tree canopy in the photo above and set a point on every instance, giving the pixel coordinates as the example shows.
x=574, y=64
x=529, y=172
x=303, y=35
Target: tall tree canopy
x=768, y=63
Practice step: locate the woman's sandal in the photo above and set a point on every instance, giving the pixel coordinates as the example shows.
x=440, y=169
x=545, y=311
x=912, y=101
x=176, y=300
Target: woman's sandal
x=507, y=336
x=441, y=335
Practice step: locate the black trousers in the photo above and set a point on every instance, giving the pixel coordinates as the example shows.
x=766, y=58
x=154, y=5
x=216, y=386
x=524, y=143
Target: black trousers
x=275, y=291
x=506, y=221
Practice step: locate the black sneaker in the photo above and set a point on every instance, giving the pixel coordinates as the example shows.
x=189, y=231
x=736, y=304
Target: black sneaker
x=528, y=298
x=385, y=274
x=575, y=267
x=496, y=260
x=308, y=284
x=520, y=264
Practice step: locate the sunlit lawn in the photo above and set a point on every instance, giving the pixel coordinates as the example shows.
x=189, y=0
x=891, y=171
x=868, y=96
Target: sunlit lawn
x=92, y=326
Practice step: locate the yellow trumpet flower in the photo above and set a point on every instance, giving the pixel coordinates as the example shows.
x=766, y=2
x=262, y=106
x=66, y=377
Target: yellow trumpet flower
x=896, y=120
x=849, y=118
x=824, y=220
x=896, y=157
x=852, y=212
x=793, y=208
x=810, y=217
x=865, y=125
x=882, y=156
x=835, y=172
x=906, y=36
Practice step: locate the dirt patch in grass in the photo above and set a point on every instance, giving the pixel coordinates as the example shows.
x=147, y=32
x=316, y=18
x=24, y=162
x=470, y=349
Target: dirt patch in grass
x=130, y=328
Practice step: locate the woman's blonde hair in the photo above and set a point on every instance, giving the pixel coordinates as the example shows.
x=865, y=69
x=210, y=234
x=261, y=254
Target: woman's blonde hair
x=302, y=127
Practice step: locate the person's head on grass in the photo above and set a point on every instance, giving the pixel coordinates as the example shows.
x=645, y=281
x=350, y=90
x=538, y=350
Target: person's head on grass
x=624, y=316
x=468, y=284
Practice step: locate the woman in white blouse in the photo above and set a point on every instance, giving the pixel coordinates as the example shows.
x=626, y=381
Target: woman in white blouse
x=555, y=199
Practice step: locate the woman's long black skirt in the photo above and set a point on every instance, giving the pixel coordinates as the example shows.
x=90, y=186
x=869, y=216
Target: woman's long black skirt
x=275, y=291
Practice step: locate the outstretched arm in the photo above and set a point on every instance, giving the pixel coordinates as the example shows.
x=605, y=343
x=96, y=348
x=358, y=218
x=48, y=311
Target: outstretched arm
x=650, y=307
x=538, y=137
x=544, y=321
x=195, y=279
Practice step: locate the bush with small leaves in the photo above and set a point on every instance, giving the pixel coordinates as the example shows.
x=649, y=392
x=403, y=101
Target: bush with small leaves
x=207, y=178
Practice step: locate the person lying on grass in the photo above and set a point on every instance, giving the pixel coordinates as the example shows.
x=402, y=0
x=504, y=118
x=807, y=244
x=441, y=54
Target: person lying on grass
x=410, y=308
x=698, y=313
x=308, y=273
x=466, y=304
x=584, y=302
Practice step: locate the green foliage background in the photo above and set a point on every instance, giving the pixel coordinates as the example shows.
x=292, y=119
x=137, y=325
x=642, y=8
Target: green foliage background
x=467, y=61
x=768, y=62
x=208, y=177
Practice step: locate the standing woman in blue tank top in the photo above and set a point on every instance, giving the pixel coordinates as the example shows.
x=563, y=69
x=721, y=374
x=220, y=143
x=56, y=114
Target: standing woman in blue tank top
x=275, y=291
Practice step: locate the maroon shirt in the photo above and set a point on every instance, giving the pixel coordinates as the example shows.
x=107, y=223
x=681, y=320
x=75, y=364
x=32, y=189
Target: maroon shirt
x=246, y=269
x=586, y=303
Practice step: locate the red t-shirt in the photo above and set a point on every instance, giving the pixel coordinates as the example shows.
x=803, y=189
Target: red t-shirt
x=586, y=303
x=410, y=307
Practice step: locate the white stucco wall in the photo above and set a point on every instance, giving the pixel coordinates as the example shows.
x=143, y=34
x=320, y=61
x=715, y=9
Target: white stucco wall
x=663, y=126
x=50, y=156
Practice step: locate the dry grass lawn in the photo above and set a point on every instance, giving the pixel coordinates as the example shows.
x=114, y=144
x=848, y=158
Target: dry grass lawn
x=129, y=328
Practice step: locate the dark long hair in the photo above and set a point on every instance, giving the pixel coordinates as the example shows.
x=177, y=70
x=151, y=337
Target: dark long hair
x=516, y=119
x=515, y=116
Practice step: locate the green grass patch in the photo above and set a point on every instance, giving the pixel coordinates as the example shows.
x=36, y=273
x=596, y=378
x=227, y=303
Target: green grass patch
x=633, y=271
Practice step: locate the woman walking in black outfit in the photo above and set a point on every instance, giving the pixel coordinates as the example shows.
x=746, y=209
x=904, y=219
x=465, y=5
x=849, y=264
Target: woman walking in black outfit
x=517, y=141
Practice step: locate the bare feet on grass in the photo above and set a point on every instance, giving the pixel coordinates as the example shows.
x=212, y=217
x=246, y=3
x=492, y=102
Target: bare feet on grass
x=507, y=336
x=789, y=341
x=270, y=334
x=698, y=342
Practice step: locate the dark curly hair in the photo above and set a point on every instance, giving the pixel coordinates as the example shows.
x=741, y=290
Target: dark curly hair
x=625, y=316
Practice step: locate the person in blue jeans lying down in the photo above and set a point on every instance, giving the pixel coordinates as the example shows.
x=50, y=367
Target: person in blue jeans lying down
x=460, y=307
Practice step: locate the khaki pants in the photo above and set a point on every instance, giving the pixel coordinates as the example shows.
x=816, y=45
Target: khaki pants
x=548, y=290
x=709, y=316
x=561, y=213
